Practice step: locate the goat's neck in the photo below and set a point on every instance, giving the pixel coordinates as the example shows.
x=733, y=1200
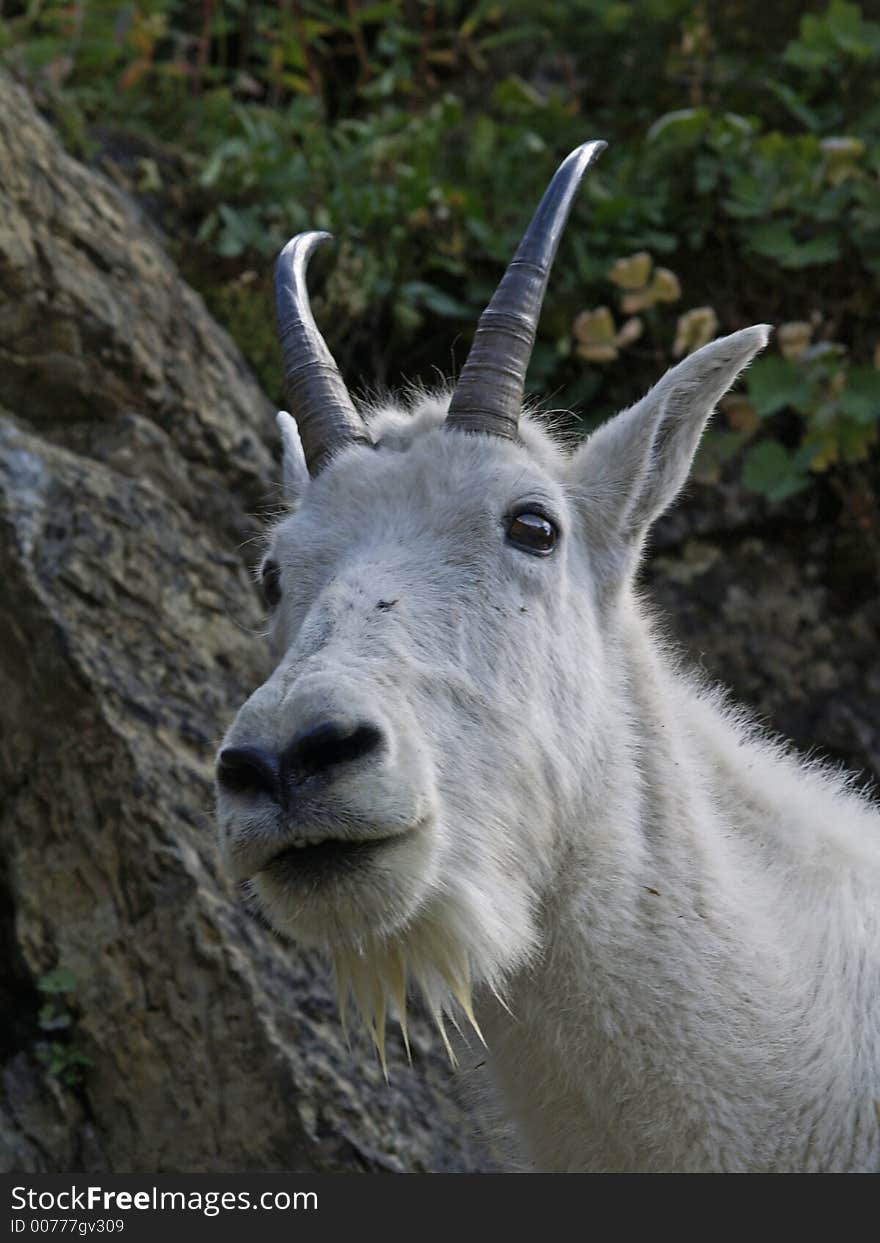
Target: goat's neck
x=655, y=931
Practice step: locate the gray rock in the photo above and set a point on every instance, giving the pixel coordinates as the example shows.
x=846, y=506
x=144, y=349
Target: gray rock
x=788, y=621
x=133, y=446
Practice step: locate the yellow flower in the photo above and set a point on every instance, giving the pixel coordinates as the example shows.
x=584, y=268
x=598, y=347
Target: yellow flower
x=633, y=272
x=595, y=335
x=695, y=328
x=794, y=337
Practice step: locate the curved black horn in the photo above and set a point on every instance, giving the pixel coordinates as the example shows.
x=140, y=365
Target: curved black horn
x=319, y=401
x=488, y=395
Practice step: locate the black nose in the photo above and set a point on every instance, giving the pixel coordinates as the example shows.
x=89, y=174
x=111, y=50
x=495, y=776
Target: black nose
x=249, y=770
x=326, y=745
x=315, y=751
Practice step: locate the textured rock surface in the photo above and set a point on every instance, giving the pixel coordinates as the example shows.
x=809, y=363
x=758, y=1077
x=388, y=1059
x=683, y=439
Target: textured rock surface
x=133, y=447
x=131, y=450
x=785, y=612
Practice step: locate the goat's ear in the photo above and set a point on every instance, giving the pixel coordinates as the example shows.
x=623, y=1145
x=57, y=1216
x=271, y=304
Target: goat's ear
x=294, y=471
x=633, y=466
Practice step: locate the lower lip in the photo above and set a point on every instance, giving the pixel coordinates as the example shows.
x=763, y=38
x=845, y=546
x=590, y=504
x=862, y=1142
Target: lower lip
x=324, y=861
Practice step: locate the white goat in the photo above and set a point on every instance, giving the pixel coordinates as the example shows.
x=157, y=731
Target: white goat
x=476, y=766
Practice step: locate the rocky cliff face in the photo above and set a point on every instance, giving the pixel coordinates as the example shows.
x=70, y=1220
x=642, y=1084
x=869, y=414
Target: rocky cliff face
x=132, y=450
x=783, y=608
x=133, y=454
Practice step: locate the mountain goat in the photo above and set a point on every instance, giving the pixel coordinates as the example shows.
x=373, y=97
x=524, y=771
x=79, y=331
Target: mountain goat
x=476, y=770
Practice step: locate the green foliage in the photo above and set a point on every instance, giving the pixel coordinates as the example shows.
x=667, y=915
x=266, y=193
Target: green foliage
x=57, y=1015
x=834, y=38
x=744, y=161
x=773, y=470
x=63, y=1061
x=57, y=982
x=838, y=415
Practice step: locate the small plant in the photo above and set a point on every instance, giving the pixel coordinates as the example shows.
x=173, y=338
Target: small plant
x=59, y=1055
x=839, y=408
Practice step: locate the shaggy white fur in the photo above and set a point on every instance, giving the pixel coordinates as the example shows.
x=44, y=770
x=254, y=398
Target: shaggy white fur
x=670, y=924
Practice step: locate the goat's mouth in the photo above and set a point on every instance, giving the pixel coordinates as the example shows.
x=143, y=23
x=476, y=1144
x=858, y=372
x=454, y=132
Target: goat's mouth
x=334, y=889
x=318, y=861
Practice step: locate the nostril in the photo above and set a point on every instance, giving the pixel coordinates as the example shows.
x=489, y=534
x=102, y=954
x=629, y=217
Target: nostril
x=249, y=770
x=328, y=744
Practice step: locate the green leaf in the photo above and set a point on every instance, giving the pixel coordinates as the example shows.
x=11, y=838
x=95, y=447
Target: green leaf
x=483, y=138
x=795, y=104
x=433, y=299
x=853, y=440
x=379, y=12
x=681, y=128
x=58, y=981
x=841, y=29
x=51, y=1018
x=516, y=97
x=750, y=196
x=768, y=468
x=775, y=240
x=861, y=397
x=774, y=383
x=850, y=31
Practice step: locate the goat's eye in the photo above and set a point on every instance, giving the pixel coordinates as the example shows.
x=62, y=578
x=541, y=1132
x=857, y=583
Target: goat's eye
x=533, y=533
x=270, y=581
